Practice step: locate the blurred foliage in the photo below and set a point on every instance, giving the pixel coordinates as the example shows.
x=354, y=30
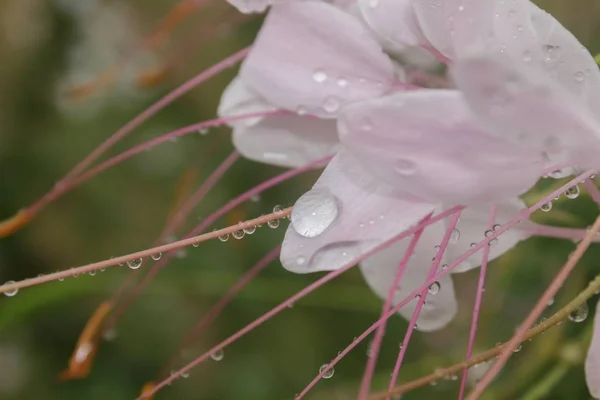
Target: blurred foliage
x=46, y=47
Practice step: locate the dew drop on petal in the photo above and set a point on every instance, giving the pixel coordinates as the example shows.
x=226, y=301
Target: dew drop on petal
x=579, y=76
x=92, y=273
x=273, y=224
x=546, y=207
x=250, y=230
x=300, y=260
x=454, y=236
x=328, y=374
x=218, y=355
x=319, y=76
x=156, y=256
x=239, y=234
x=434, y=288
x=135, y=264
x=277, y=209
x=11, y=292
x=224, y=238
x=580, y=313
x=405, y=167
x=572, y=192
x=331, y=104
x=314, y=212
x=518, y=348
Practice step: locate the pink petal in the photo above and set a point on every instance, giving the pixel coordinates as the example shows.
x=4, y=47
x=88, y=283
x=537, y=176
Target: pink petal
x=472, y=227
x=394, y=22
x=528, y=109
x=425, y=143
x=454, y=25
x=344, y=215
x=287, y=140
x=283, y=140
x=592, y=362
x=312, y=57
x=380, y=269
x=239, y=99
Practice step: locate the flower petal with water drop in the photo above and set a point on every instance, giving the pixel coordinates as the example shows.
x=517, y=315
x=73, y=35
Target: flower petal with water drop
x=427, y=144
x=367, y=213
x=380, y=269
x=314, y=58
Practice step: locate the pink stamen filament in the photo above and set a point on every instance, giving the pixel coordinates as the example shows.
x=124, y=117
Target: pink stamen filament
x=477, y=306
x=379, y=334
x=422, y=297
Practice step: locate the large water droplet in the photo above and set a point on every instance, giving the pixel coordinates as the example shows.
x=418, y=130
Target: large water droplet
x=156, y=256
x=10, y=293
x=274, y=223
x=250, y=230
x=135, y=264
x=454, y=236
x=580, y=313
x=224, y=238
x=546, y=207
x=239, y=234
x=314, y=212
x=327, y=374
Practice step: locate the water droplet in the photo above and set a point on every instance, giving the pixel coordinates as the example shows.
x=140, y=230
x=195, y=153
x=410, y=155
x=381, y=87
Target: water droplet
x=331, y=104
x=300, y=260
x=277, y=209
x=518, y=348
x=434, y=288
x=195, y=244
x=10, y=293
x=185, y=375
x=572, y=192
x=496, y=227
x=92, y=273
x=445, y=266
x=579, y=76
x=250, y=230
x=314, y=212
x=218, y=355
x=328, y=374
x=224, y=238
x=342, y=82
x=580, y=313
x=157, y=256
x=319, y=76
x=203, y=131
x=135, y=264
x=405, y=167
x=273, y=223
x=550, y=302
x=551, y=54
x=239, y=234
x=454, y=236
x=546, y=207
x=61, y=279
x=493, y=242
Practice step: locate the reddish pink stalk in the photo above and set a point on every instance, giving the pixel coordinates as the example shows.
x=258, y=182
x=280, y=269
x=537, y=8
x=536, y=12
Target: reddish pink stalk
x=379, y=334
x=292, y=300
x=485, y=242
x=422, y=297
x=477, y=306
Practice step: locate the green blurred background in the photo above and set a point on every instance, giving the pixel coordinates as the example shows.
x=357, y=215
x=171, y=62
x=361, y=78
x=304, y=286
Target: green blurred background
x=46, y=47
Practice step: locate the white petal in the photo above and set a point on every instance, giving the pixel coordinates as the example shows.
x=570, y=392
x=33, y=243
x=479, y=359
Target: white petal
x=287, y=140
x=454, y=25
x=426, y=142
x=368, y=214
x=592, y=362
x=313, y=57
x=472, y=226
x=380, y=269
x=394, y=22
x=526, y=108
x=251, y=6
x=239, y=99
